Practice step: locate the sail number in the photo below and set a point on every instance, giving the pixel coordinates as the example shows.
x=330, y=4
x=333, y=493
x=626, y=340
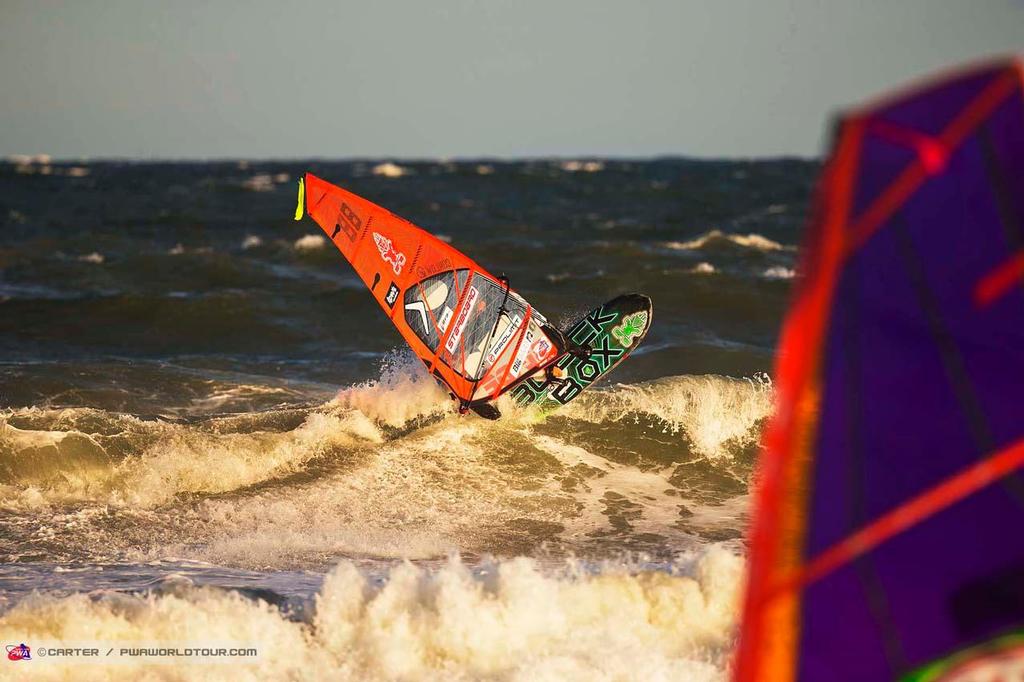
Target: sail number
x=348, y=222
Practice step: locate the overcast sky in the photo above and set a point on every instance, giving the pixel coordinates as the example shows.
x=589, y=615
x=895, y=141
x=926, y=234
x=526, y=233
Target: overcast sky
x=457, y=78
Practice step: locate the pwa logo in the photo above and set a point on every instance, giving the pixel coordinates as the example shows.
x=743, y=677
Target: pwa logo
x=19, y=652
x=389, y=253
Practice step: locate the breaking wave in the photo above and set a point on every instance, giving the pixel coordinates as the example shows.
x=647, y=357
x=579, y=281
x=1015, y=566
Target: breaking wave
x=718, y=238
x=145, y=463
x=717, y=414
x=385, y=470
x=703, y=268
x=779, y=272
x=310, y=242
x=510, y=619
x=403, y=393
x=391, y=170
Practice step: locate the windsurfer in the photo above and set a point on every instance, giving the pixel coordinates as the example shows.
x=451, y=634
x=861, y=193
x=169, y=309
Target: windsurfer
x=565, y=345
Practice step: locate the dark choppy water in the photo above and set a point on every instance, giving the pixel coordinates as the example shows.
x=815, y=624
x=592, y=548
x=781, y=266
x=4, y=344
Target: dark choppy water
x=202, y=415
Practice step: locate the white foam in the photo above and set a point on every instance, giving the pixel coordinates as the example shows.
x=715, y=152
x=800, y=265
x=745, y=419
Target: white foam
x=251, y=241
x=27, y=159
x=32, y=165
x=390, y=170
x=507, y=620
x=750, y=241
x=731, y=513
x=171, y=459
x=430, y=493
x=302, y=488
x=715, y=413
x=582, y=166
x=779, y=272
x=259, y=183
x=643, y=490
x=233, y=397
x=703, y=268
x=404, y=391
x=95, y=257
x=310, y=242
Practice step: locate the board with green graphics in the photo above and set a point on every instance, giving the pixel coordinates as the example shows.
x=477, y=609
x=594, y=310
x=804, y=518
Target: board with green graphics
x=611, y=332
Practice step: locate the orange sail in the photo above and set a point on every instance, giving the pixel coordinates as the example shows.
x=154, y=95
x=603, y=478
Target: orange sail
x=473, y=333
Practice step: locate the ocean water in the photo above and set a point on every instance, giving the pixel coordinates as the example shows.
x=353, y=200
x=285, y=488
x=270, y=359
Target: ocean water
x=210, y=433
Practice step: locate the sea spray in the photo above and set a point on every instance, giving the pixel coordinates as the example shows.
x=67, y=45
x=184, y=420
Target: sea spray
x=146, y=463
x=292, y=488
x=501, y=619
x=403, y=393
x=717, y=414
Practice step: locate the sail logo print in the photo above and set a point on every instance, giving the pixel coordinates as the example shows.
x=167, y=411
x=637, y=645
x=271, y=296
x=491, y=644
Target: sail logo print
x=538, y=351
x=511, y=328
x=446, y=318
x=392, y=295
x=348, y=222
x=631, y=327
x=524, y=349
x=460, y=322
x=389, y=253
x=19, y=652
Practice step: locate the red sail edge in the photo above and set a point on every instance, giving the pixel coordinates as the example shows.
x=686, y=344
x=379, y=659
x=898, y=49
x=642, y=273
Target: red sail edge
x=894, y=463
x=473, y=333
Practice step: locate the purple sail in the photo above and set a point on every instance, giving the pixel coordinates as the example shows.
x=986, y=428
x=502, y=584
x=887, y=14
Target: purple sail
x=888, y=538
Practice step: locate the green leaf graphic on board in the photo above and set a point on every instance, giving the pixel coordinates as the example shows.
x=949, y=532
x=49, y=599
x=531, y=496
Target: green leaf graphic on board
x=631, y=327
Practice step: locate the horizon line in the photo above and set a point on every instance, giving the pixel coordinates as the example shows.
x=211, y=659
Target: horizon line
x=43, y=158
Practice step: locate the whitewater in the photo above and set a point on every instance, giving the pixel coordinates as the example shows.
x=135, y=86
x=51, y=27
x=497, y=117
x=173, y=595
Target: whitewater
x=210, y=435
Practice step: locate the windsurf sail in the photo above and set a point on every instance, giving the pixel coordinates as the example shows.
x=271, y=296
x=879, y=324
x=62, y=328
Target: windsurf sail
x=887, y=537
x=472, y=331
